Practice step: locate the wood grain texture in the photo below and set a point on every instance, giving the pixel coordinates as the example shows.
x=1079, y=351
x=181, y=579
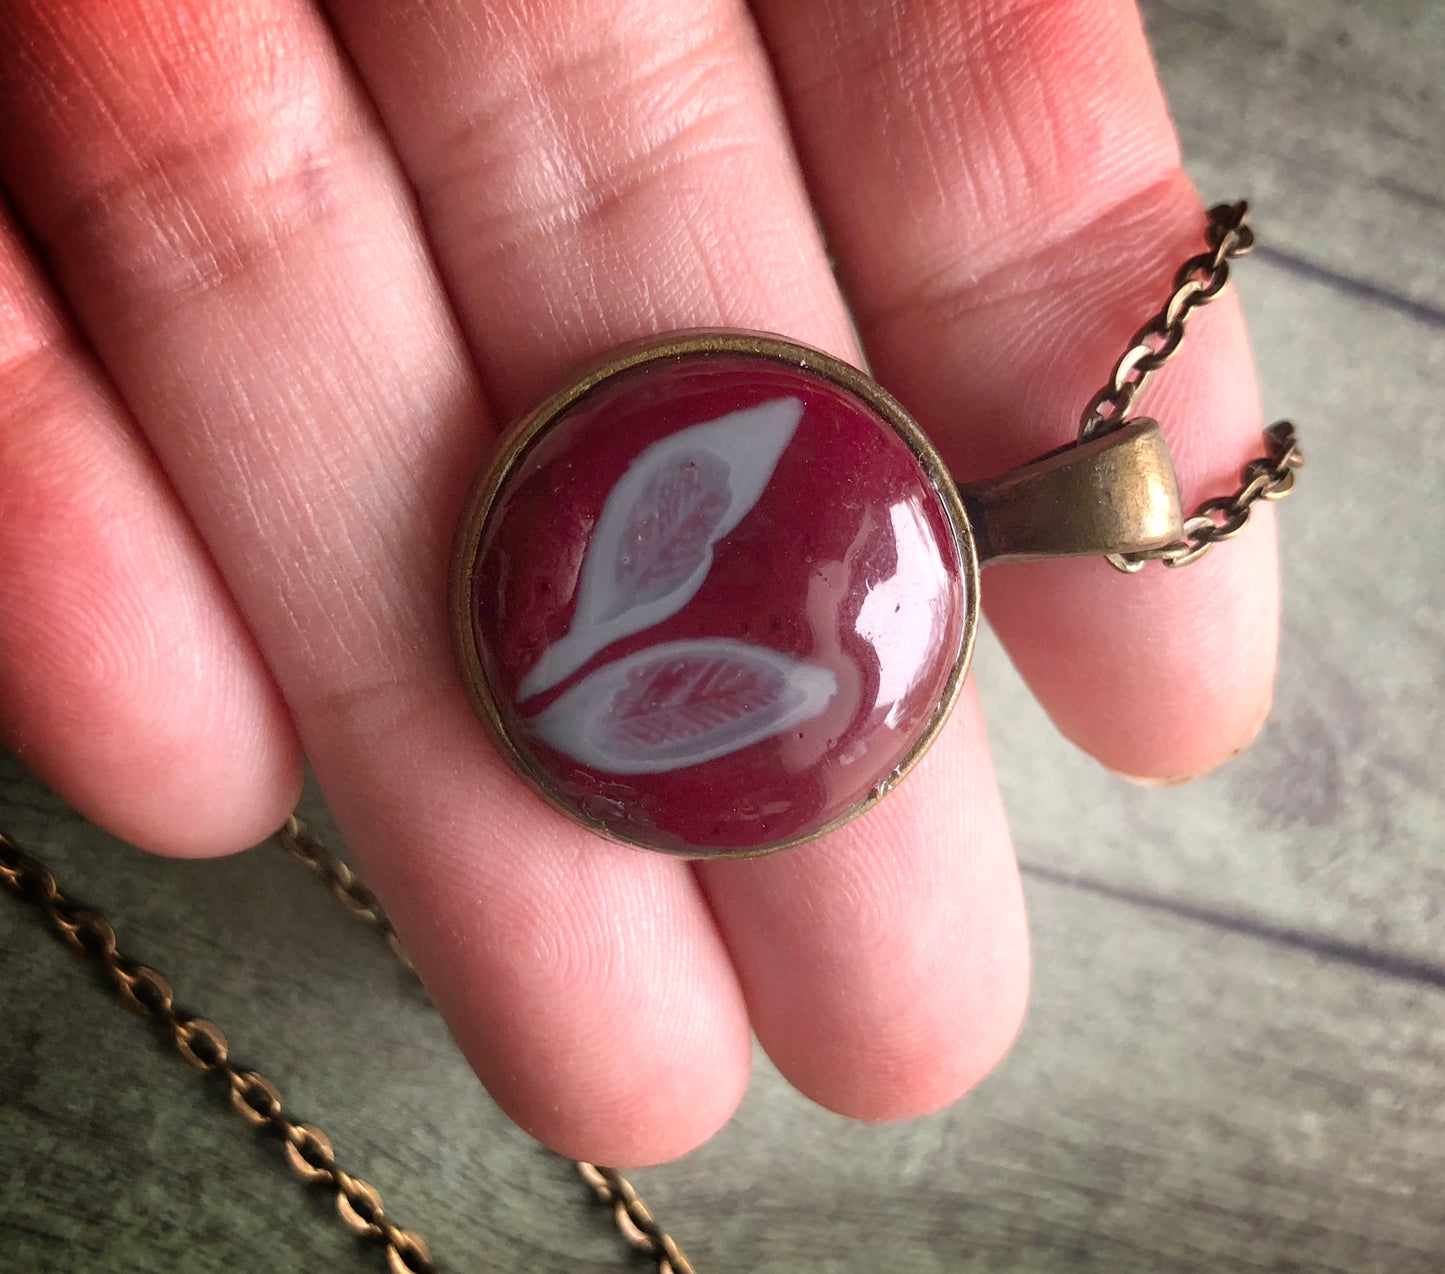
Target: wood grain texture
x=1235, y=1057
x=1328, y=114
x=1184, y=1098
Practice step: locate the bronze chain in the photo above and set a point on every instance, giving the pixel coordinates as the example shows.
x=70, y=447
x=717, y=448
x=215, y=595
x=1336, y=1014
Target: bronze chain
x=308, y=1150
x=341, y=882
x=254, y=1097
x=1269, y=477
x=633, y=1218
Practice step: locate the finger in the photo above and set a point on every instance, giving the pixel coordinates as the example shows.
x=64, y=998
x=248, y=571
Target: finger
x=229, y=224
x=1001, y=185
x=594, y=173
x=886, y=965
x=127, y=680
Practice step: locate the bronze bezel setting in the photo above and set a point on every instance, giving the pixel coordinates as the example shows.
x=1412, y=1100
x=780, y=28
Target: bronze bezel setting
x=674, y=347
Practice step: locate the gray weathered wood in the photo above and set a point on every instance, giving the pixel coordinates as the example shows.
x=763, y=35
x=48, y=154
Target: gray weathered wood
x=1183, y=1098
x=1328, y=113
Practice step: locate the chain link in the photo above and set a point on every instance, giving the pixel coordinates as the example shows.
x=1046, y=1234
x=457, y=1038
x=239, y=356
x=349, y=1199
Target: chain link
x=634, y=1218
x=343, y=883
x=631, y=1215
x=204, y=1046
x=254, y=1097
x=1269, y=477
x=1197, y=282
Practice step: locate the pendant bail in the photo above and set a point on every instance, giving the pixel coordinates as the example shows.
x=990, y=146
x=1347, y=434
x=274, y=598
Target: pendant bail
x=1113, y=494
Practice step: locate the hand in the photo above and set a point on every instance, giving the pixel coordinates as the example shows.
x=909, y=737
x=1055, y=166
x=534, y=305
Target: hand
x=271, y=280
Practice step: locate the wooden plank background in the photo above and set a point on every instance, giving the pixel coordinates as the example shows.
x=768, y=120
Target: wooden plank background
x=1235, y=1057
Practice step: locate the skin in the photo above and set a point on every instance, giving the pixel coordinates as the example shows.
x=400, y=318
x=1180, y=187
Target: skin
x=270, y=278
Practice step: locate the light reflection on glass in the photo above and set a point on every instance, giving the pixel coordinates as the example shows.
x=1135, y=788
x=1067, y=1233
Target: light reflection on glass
x=903, y=617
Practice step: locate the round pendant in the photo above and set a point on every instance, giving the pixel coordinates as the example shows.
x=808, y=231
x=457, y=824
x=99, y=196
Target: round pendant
x=716, y=596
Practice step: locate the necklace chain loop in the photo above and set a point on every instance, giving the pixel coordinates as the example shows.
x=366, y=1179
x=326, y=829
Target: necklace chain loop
x=1268, y=477
x=254, y=1097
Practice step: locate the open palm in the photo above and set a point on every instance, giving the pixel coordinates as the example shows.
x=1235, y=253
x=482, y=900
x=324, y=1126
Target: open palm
x=271, y=277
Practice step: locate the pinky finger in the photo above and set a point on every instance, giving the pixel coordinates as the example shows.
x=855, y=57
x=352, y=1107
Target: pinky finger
x=128, y=681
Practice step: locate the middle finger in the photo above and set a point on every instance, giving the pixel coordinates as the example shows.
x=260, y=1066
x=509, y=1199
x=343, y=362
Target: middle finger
x=591, y=173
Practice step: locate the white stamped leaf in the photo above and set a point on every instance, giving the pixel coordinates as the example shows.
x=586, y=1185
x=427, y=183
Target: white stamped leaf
x=682, y=703
x=652, y=546
x=669, y=531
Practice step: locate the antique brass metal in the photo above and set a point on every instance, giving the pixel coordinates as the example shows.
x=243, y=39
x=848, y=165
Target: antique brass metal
x=661, y=349
x=1113, y=494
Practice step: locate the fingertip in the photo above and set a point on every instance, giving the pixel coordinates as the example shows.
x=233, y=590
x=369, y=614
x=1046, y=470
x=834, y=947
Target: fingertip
x=582, y=979
x=238, y=798
x=199, y=784
x=1179, y=676
x=887, y=965
x=626, y=1124
x=657, y=1054
x=1183, y=778
x=936, y=1048
x=128, y=682
x=634, y=1100
x=896, y=1083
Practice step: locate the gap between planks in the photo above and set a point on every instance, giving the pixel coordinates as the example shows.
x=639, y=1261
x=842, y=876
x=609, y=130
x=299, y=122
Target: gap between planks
x=1396, y=967
x=1360, y=289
